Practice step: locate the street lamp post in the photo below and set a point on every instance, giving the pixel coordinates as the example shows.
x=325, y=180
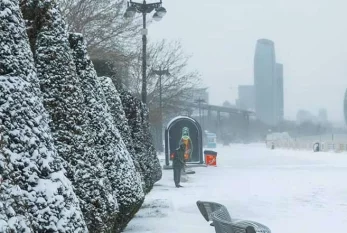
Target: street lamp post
x=160, y=73
x=144, y=8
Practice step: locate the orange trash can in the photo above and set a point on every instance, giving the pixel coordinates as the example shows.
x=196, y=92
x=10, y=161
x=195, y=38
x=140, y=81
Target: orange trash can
x=210, y=158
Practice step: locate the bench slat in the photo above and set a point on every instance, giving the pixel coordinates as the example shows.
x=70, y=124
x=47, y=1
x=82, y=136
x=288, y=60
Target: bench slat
x=223, y=223
x=207, y=208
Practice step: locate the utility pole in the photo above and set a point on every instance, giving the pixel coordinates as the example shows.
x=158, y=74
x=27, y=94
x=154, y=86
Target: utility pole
x=200, y=101
x=160, y=73
x=144, y=58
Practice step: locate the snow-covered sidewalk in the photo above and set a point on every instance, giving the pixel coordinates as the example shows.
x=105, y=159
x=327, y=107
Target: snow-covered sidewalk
x=289, y=191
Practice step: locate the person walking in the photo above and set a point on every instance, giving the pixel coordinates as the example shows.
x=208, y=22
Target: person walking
x=178, y=164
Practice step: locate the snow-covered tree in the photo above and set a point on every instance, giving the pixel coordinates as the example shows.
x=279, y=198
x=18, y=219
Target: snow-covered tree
x=149, y=146
x=64, y=100
x=35, y=195
x=118, y=114
x=145, y=152
x=150, y=170
x=107, y=140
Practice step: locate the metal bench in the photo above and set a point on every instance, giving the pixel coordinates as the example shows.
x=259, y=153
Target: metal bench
x=207, y=208
x=223, y=223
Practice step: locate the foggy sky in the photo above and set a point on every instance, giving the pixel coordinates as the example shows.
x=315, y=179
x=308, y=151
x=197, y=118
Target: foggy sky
x=310, y=40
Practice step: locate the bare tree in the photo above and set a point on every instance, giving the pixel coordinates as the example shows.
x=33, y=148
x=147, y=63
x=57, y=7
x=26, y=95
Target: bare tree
x=106, y=31
x=111, y=39
x=177, y=87
x=112, y=43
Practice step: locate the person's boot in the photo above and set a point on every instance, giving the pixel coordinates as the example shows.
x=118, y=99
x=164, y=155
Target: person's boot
x=179, y=186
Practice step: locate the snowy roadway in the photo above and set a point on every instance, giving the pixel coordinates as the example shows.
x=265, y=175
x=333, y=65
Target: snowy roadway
x=288, y=191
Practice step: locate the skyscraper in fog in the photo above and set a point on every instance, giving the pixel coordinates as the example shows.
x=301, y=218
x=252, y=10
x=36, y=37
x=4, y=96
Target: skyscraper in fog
x=246, y=97
x=265, y=82
x=279, y=92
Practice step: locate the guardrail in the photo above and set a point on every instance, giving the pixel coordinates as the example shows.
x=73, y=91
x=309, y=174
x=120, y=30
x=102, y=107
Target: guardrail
x=325, y=146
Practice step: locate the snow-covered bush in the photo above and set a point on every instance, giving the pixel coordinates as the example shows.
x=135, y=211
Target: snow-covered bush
x=107, y=141
x=35, y=195
x=149, y=146
x=64, y=100
x=55, y=121
x=145, y=152
x=118, y=114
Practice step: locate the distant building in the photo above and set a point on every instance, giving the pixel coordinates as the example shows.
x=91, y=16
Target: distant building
x=246, y=98
x=237, y=103
x=265, y=82
x=304, y=116
x=279, y=108
x=323, y=116
x=199, y=93
x=227, y=104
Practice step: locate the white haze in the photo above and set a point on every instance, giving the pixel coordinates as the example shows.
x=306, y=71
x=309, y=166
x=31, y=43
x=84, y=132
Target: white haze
x=310, y=38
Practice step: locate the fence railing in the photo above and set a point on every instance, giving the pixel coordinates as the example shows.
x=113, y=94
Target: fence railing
x=326, y=146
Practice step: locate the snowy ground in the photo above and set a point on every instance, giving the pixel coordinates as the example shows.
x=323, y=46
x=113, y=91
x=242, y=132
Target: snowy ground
x=289, y=191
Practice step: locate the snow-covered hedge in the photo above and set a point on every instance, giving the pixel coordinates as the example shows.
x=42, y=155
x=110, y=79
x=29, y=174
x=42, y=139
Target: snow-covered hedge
x=118, y=114
x=125, y=181
x=147, y=140
x=69, y=159
x=145, y=152
x=35, y=195
x=131, y=118
x=64, y=100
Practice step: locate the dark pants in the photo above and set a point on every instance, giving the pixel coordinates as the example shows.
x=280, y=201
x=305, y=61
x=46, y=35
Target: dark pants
x=177, y=175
